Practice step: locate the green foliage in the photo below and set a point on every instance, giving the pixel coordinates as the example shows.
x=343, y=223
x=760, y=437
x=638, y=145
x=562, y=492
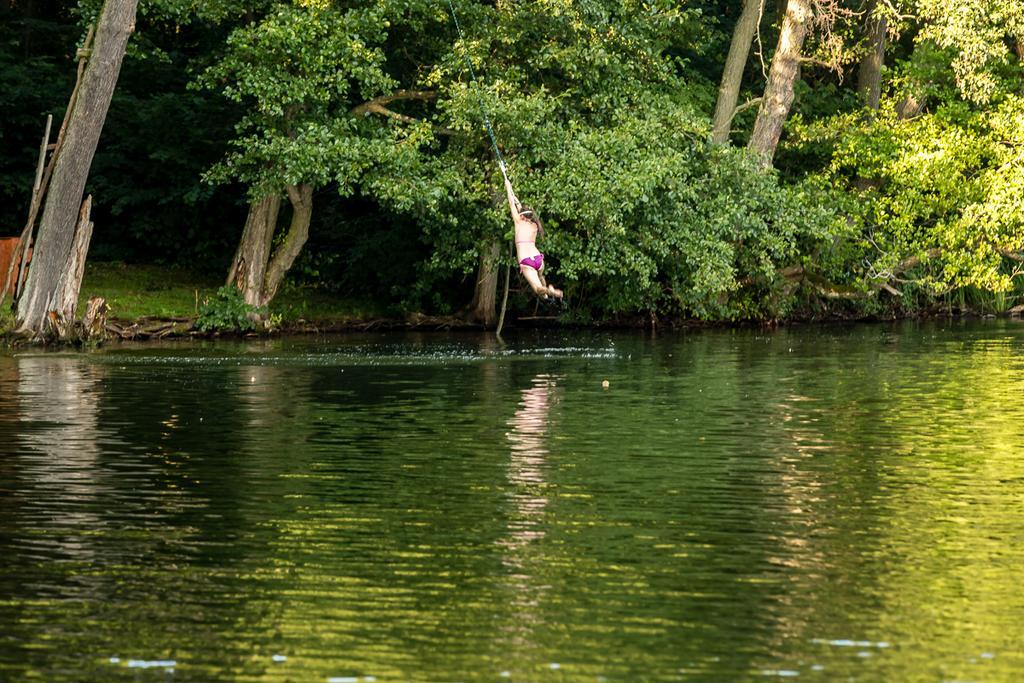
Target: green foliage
x=674, y=224
x=974, y=31
x=938, y=200
x=227, y=311
x=299, y=71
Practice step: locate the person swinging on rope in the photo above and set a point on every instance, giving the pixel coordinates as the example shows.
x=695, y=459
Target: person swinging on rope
x=531, y=261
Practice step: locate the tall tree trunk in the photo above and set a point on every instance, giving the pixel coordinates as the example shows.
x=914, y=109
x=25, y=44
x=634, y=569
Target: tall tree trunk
x=739, y=51
x=249, y=267
x=869, y=75
x=301, y=197
x=778, y=92
x=71, y=169
x=483, y=307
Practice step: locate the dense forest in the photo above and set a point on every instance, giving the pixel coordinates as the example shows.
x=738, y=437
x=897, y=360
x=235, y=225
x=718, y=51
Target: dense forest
x=744, y=159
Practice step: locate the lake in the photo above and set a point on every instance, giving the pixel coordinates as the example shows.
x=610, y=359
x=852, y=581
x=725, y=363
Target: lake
x=816, y=502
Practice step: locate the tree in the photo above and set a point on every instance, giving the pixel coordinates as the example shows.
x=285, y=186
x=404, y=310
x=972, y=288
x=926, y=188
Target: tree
x=782, y=77
x=84, y=123
x=550, y=74
x=732, y=74
x=869, y=74
x=303, y=71
x=976, y=33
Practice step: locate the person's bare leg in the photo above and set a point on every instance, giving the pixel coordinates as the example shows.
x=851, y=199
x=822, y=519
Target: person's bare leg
x=551, y=289
x=537, y=284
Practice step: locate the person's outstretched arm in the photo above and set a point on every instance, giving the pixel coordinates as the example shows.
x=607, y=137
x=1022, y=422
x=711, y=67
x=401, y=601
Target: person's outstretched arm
x=513, y=204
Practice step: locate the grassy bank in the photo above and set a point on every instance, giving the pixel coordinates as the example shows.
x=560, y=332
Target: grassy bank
x=149, y=291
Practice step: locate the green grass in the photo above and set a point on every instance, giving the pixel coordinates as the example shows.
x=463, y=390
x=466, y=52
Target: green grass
x=135, y=291
x=295, y=303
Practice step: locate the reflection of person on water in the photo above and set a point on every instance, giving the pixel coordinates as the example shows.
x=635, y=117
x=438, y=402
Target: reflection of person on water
x=529, y=427
x=529, y=430
x=531, y=261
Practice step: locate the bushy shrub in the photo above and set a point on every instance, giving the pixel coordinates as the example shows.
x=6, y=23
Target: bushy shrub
x=227, y=311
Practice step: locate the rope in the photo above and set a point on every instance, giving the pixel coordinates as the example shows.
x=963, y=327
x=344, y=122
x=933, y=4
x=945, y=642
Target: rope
x=479, y=95
x=494, y=143
x=504, y=301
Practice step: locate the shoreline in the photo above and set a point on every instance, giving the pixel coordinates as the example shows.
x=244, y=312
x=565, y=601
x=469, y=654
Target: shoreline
x=156, y=328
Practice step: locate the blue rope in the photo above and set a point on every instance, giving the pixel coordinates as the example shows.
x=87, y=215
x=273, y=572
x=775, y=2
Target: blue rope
x=479, y=95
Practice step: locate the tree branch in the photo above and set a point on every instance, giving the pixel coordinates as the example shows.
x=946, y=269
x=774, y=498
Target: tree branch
x=377, y=103
x=377, y=106
x=746, y=105
x=818, y=62
x=1014, y=255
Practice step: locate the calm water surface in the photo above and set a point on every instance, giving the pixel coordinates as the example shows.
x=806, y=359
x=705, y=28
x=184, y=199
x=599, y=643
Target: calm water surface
x=737, y=505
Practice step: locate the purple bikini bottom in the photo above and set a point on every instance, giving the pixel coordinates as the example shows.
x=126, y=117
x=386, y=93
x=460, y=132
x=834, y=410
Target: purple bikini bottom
x=535, y=262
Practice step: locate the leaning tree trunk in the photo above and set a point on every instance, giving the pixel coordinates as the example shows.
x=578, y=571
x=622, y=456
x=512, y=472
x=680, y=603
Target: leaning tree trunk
x=53, y=245
x=255, y=271
x=778, y=92
x=249, y=267
x=729, y=89
x=869, y=74
x=483, y=307
x=301, y=197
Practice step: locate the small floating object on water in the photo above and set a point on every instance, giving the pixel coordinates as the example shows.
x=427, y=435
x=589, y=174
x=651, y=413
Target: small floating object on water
x=843, y=642
x=150, y=663
x=556, y=665
x=253, y=378
x=605, y=384
x=506, y=674
x=279, y=658
x=115, y=660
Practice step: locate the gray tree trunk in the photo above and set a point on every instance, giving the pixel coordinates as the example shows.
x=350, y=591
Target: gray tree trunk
x=60, y=317
x=732, y=76
x=249, y=267
x=71, y=168
x=778, y=92
x=301, y=197
x=66, y=303
x=483, y=307
x=255, y=271
x=869, y=74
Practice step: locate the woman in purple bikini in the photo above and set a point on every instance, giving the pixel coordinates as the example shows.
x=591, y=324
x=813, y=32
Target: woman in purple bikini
x=531, y=261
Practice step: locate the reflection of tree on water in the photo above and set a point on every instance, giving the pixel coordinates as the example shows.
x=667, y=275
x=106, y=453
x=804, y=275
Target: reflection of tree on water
x=59, y=428
x=49, y=436
x=527, y=476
